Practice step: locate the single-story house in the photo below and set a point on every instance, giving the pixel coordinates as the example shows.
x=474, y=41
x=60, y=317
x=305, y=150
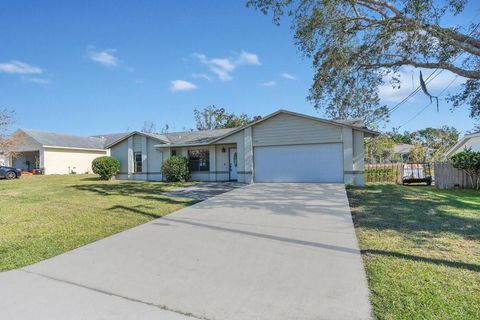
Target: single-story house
x=55, y=153
x=281, y=147
x=469, y=141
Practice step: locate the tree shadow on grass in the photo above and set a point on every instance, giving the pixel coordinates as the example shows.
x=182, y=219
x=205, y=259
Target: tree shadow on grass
x=135, y=209
x=415, y=211
x=136, y=189
x=452, y=264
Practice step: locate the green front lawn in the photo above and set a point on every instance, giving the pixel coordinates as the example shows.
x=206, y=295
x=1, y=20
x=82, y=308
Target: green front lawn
x=421, y=250
x=43, y=216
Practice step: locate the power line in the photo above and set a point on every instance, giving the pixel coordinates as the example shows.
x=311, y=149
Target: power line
x=425, y=107
x=398, y=105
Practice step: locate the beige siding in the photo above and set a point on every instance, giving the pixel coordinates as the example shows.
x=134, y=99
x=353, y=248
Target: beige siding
x=120, y=151
x=285, y=129
x=63, y=161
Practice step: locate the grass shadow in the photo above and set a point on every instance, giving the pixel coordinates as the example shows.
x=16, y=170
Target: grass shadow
x=442, y=262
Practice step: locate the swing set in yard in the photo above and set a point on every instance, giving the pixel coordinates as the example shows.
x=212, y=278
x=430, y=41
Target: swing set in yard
x=416, y=173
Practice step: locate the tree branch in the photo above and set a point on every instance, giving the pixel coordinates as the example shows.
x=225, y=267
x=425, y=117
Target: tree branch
x=472, y=74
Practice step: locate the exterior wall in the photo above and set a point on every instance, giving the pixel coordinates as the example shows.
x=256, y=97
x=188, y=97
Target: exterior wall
x=154, y=161
x=151, y=158
x=285, y=129
x=63, y=161
x=120, y=151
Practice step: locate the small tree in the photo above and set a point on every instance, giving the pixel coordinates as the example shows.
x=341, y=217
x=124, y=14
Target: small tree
x=106, y=167
x=176, y=168
x=468, y=161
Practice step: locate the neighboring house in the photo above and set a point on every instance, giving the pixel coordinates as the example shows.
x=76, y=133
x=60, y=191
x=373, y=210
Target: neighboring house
x=401, y=152
x=281, y=147
x=469, y=141
x=56, y=153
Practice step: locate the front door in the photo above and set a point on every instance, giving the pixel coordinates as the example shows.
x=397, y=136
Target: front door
x=233, y=159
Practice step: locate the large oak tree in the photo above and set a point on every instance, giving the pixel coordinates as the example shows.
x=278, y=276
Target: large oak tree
x=357, y=44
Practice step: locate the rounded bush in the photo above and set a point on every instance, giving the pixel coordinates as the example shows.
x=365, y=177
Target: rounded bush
x=106, y=167
x=176, y=168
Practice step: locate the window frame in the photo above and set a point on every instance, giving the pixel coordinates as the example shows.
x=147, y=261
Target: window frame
x=136, y=163
x=199, y=162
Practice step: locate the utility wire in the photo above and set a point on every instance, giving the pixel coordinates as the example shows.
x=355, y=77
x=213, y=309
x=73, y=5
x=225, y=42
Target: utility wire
x=425, y=107
x=398, y=105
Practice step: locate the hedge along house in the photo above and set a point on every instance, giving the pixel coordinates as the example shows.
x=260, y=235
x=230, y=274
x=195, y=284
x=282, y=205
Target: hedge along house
x=281, y=147
x=55, y=153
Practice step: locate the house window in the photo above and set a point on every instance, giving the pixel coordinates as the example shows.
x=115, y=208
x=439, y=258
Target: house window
x=137, y=157
x=174, y=153
x=199, y=160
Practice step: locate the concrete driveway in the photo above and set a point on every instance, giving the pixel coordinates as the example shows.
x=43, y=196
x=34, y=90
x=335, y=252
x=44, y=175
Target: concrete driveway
x=264, y=251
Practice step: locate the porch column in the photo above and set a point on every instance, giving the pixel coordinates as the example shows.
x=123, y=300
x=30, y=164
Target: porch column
x=347, y=155
x=358, y=158
x=213, y=163
x=41, y=160
x=144, y=154
x=248, y=151
x=130, y=156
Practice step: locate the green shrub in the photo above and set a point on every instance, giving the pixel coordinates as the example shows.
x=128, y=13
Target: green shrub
x=468, y=161
x=176, y=168
x=380, y=174
x=106, y=167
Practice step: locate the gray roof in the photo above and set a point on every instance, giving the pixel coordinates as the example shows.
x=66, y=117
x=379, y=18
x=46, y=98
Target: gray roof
x=110, y=138
x=196, y=137
x=403, y=148
x=56, y=139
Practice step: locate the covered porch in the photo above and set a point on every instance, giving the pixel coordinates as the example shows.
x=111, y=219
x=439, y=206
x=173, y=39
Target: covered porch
x=210, y=162
x=27, y=160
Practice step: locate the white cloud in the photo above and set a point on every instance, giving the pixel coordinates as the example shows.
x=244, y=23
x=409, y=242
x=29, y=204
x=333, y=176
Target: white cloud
x=248, y=58
x=182, y=85
x=224, y=64
x=202, y=76
x=288, y=76
x=18, y=67
x=37, y=80
x=105, y=57
x=408, y=84
x=224, y=67
x=268, y=84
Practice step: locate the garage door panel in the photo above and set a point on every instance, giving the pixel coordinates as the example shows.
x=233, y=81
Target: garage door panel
x=299, y=163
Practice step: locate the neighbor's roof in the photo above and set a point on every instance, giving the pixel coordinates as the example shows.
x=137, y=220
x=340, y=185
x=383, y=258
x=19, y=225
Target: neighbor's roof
x=56, y=139
x=462, y=142
x=403, y=148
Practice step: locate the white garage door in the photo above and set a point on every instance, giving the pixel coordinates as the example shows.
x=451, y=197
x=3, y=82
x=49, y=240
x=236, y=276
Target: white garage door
x=299, y=163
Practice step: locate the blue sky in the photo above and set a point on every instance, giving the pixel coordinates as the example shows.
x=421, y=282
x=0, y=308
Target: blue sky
x=91, y=67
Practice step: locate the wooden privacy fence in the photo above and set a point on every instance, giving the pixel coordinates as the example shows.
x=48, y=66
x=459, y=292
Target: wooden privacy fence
x=384, y=172
x=446, y=177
